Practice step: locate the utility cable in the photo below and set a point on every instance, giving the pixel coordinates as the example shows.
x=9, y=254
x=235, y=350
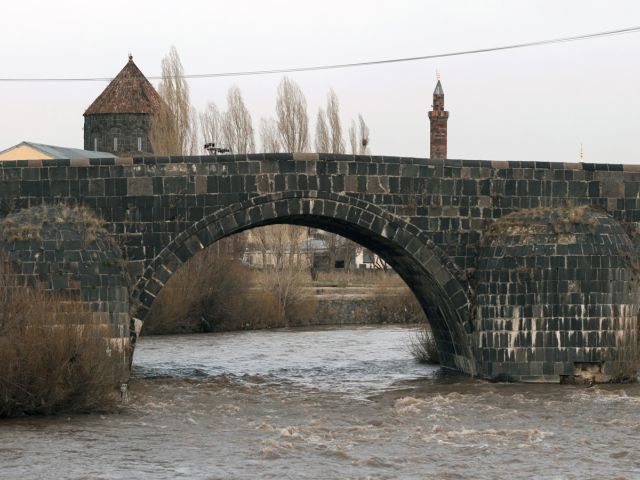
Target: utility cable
x=355, y=64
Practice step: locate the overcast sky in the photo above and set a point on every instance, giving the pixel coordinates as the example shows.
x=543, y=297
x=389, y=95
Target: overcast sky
x=537, y=103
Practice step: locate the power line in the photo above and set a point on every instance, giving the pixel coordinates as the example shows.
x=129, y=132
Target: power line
x=355, y=64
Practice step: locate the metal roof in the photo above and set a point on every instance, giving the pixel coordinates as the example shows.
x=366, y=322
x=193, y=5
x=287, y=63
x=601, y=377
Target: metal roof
x=63, y=153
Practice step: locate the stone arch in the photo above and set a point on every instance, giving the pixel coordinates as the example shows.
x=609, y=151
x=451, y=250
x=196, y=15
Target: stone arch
x=434, y=279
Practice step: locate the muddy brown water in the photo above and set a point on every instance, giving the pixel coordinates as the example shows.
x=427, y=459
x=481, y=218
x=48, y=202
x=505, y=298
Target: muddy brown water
x=329, y=403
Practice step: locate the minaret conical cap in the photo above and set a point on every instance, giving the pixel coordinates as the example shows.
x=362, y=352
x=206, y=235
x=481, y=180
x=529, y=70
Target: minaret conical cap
x=438, y=90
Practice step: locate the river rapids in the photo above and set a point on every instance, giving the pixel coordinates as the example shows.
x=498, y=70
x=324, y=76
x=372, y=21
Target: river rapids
x=329, y=403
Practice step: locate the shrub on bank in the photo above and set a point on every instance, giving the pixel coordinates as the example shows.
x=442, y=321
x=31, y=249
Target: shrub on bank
x=51, y=359
x=422, y=346
x=215, y=292
x=284, y=291
x=207, y=294
x=405, y=308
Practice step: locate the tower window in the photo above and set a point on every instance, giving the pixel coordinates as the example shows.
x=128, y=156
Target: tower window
x=115, y=144
x=139, y=144
x=95, y=144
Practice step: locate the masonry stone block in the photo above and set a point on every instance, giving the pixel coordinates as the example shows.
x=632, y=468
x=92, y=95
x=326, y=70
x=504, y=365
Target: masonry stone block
x=580, y=243
x=139, y=186
x=82, y=261
x=428, y=215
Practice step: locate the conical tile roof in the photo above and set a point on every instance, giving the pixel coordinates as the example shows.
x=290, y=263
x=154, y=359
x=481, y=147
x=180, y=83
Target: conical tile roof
x=128, y=92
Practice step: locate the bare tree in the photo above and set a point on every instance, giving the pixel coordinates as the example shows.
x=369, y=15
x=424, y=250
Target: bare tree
x=353, y=138
x=237, y=126
x=293, y=122
x=340, y=248
x=172, y=128
x=349, y=250
x=163, y=133
x=359, y=137
x=280, y=246
x=379, y=263
x=323, y=143
x=335, y=127
x=269, y=135
x=363, y=147
x=194, y=138
x=332, y=241
x=211, y=124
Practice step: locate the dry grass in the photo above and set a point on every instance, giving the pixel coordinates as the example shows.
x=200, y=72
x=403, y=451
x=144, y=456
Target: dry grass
x=29, y=225
x=295, y=305
x=53, y=358
x=535, y=221
x=402, y=306
x=209, y=293
x=214, y=292
x=422, y=346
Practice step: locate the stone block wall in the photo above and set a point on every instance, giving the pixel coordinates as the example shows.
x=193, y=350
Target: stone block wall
x=101, y=129
x=430, y=214
x=66, y=250
x=558, y=296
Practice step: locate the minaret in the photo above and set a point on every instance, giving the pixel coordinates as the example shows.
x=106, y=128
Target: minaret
x=438, y=118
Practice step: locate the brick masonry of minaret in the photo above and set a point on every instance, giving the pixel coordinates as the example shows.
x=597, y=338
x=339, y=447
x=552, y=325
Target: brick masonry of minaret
x=438, y=125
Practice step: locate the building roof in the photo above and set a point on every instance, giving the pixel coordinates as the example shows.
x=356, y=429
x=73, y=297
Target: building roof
x=39, y=151
x=438, y=90
x=128, y=92
x=315, y=245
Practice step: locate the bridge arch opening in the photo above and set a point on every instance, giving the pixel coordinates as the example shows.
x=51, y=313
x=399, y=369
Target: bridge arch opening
x=417, y=260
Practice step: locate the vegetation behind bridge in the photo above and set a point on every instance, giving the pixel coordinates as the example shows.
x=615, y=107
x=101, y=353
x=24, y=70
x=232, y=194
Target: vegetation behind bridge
x=215, y=291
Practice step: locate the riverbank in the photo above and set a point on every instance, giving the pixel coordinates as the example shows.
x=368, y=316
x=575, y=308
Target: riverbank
x=333, y=298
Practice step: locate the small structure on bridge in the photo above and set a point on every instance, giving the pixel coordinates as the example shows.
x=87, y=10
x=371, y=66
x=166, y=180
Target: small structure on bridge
x=118, y=121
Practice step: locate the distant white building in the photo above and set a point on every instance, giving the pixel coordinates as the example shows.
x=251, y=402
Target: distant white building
x=315, y=248
x=366, y=259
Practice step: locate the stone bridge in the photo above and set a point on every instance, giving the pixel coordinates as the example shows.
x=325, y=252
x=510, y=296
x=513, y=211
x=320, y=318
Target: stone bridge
x=526, y=270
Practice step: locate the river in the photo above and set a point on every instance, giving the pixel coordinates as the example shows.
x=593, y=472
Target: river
x=327, y=403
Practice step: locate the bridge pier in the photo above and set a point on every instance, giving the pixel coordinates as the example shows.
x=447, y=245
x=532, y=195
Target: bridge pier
x=66, y=250
x=558, y=298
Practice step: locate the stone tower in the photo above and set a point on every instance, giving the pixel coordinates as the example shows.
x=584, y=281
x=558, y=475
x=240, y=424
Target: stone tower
x=438, y=118
x=118, y=120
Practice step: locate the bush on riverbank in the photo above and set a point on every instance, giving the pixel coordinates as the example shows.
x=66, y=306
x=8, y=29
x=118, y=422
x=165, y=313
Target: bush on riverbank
x=51, y=360
x=285, y=295
x=215, y=292
x=207, y=294
x=403, y=307
x=422, y=346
